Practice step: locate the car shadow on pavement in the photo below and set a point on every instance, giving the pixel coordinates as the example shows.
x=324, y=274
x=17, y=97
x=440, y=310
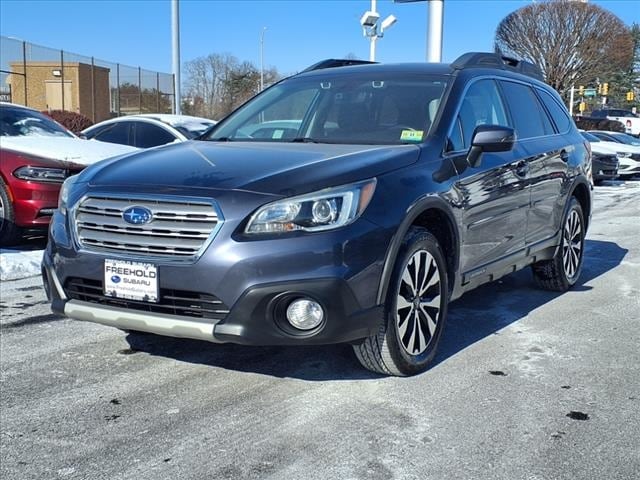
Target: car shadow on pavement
x=477, y=315
x=492, y=307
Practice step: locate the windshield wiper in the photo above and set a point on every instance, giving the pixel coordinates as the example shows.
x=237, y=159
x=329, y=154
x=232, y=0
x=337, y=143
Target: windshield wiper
x=304, y=140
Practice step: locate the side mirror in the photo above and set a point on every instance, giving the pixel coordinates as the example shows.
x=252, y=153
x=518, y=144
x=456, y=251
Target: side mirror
x=490, y=138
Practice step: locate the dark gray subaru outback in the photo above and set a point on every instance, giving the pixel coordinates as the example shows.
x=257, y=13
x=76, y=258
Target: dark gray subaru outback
x=343, y=204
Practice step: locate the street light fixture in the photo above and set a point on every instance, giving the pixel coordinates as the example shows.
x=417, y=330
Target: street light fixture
x=373, y=29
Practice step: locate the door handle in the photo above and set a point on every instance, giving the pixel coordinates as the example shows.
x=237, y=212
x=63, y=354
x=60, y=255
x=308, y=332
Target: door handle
x=564, y=155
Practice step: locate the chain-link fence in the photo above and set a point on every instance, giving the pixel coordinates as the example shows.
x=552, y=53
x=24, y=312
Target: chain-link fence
x=48, y=79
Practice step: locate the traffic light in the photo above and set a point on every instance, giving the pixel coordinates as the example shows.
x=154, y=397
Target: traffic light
x=599, y=89
x=630, y=96
x=581, y=90
x=582, y=107
x=605, y=89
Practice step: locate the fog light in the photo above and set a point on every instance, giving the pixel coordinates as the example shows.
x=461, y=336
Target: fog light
x=305, y=314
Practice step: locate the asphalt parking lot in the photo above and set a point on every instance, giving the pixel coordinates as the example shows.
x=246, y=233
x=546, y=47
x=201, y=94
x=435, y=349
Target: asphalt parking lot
x=527, y=384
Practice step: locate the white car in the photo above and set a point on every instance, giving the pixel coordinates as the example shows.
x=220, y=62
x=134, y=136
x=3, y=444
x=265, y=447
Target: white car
x=149, y=130
x=628, y=155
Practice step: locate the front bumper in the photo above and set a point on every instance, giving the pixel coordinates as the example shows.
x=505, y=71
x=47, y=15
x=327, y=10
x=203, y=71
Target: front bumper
x=251, y=281
x=33, y=202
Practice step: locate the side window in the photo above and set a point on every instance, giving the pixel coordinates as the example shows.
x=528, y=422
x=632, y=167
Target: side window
x=482, y=105
x=558, y=113
x=529, y=118
x=148, y=135
x=116, y=133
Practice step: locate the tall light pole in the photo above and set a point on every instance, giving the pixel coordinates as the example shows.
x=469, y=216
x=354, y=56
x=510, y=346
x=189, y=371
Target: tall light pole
x=373, y=29
x=264, y=29
x=435, y=18
x=434, y=32
x=175, y=53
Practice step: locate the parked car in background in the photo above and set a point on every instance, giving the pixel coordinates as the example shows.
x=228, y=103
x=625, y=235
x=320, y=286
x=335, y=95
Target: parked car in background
x=630, y=120
x=36, y=155
x=617, y=137
x=604, y=160
x=626, y=148
x=402, y=187
x=149, y=130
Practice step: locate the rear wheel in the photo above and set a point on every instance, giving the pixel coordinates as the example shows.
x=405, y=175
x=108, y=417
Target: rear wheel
x=415, y=310
x=10, y=233
x=562, y=271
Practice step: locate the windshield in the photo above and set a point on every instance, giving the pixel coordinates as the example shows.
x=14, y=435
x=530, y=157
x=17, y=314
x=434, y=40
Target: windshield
x=193, y=129
x=590, y=137
x=365, y=108
x=19, y=122
x=624, y=138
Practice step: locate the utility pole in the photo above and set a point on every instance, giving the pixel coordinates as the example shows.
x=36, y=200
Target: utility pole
x=435, y=21
x=264, y=29
x=434, y=31
x=175, y=51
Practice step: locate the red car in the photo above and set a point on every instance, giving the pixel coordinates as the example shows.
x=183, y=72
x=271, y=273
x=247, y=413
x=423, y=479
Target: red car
x=36, y=155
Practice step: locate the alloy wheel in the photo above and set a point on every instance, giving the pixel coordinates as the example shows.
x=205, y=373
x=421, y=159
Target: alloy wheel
x=418, y=303
x=572, y=244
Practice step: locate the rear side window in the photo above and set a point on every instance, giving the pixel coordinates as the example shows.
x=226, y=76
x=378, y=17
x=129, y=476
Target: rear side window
x=482, y=105
x=529, y=118
x=558, y=113
x=148, y=135
x=116, y=133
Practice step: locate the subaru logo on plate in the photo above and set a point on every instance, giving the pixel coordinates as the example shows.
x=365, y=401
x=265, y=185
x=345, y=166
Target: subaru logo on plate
x=115, y=279
x=137, y=215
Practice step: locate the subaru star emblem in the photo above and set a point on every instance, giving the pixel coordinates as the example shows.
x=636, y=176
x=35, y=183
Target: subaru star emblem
x=137, y=215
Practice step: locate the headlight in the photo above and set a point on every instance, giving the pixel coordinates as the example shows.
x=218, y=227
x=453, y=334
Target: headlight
x=41, y=174
x=63, y=197
x=314, y=212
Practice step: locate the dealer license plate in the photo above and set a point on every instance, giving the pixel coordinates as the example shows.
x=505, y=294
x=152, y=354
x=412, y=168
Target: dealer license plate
x=131, y=280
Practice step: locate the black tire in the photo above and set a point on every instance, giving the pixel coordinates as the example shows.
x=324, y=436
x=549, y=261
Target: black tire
x=10, y=233
x=401, y=346
x=563, y=270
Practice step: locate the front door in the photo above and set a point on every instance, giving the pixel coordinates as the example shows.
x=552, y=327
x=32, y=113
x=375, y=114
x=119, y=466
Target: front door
x=494, y=196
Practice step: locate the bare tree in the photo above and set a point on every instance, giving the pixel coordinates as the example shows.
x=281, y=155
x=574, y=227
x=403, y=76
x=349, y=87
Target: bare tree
x=572, y=42
x=218, y=83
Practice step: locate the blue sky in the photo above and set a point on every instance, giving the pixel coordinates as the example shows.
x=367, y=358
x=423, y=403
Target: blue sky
x=299, y=32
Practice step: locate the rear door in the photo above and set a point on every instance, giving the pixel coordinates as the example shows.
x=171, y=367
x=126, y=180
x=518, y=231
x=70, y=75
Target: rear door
x=540, y=148
x=558, y=165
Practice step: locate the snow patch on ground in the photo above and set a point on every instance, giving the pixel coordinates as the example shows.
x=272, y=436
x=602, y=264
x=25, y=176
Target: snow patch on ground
x=17, y=264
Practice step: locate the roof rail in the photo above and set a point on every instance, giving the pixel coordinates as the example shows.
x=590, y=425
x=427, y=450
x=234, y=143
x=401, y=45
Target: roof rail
x=495, y=60
x=333, y=62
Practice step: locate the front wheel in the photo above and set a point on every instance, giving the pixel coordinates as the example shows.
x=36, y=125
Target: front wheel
x=415, y=310
x=10, y=233
x=563, y=270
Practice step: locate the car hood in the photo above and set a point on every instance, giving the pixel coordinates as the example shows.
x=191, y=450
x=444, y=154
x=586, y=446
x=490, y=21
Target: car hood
x=272, y=168
x=66, y=149
x=618, y=147
x=602, y=149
